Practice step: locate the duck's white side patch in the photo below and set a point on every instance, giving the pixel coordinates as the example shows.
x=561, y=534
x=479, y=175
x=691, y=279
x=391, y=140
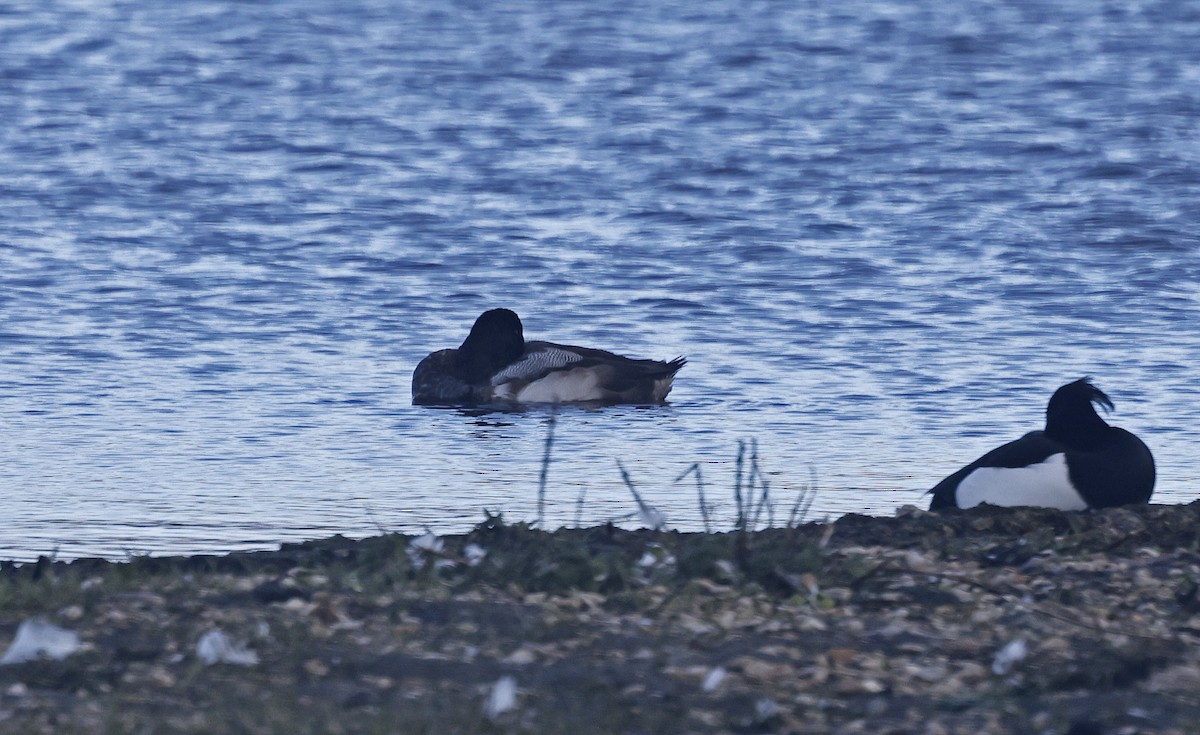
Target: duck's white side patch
x=532, y=364
x=563, y=386
x=1046, y=485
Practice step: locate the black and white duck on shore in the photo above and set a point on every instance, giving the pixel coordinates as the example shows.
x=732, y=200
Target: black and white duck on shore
x=495, y=364
x=1078, y=461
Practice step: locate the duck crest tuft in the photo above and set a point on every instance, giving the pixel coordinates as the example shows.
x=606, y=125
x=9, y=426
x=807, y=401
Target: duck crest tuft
x=1071, y=413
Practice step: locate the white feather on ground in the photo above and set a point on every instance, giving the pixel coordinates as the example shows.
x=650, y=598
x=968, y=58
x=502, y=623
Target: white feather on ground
x=502, y=698
x=37, y=638
x=216, y=648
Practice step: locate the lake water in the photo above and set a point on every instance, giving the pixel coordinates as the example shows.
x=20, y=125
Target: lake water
x=882, y=232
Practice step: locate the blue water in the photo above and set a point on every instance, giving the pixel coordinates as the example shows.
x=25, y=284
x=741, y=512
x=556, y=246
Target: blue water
x=882, y=233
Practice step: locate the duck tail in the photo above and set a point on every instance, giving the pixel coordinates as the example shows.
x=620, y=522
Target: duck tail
x=673, y=366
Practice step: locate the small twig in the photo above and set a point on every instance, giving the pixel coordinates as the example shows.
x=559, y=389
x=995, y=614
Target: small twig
x=649, y=514
x=622, y=517
x=880, y=567
x=737, y=486
x=765, y=498
x=541, y=503
x=812, y=493
x=795, y=507
x=579, y=506
x=371, y=514
x=695, y=468
x=752, y=508
x=804, y=500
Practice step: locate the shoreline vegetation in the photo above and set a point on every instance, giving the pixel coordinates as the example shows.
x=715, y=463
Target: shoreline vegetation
x=983, y=621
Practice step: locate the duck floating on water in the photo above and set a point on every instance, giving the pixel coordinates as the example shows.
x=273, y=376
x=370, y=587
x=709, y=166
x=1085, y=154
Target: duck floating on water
x=495, y=364
x=1078, y=461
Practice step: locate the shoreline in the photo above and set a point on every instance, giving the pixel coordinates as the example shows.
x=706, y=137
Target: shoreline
x=990, y=620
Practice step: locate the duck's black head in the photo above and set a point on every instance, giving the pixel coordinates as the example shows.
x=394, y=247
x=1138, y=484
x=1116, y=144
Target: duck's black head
x=496, y=339
x=1071, y=417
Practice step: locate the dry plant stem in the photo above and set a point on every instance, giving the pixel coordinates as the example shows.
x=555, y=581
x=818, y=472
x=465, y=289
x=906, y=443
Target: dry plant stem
x=753, y=509
x=579, y=506
x=645, y=509
x=765, y=498
x=804, y=500
x=737, y=487
x=812, y=493
x=374, y=521
x=541, y=503
x=695, y=468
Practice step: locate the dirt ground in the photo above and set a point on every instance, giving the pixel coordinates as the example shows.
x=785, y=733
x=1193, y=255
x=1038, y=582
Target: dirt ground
x=985, y=621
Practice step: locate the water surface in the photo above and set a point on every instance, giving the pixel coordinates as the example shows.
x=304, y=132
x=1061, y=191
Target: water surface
x=882, y=233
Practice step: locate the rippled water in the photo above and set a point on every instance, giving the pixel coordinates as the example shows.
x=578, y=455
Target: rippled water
x=882, y=233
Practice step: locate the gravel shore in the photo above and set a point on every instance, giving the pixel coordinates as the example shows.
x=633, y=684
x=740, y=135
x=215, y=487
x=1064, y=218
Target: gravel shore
x=985, y=621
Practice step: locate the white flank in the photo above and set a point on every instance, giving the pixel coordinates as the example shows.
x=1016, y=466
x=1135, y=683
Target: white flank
x=563, y=386
x=1045, y=485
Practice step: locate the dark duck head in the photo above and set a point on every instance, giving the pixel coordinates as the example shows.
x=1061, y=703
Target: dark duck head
x=496, y=339
x=462, y=376
x=1071, y=416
